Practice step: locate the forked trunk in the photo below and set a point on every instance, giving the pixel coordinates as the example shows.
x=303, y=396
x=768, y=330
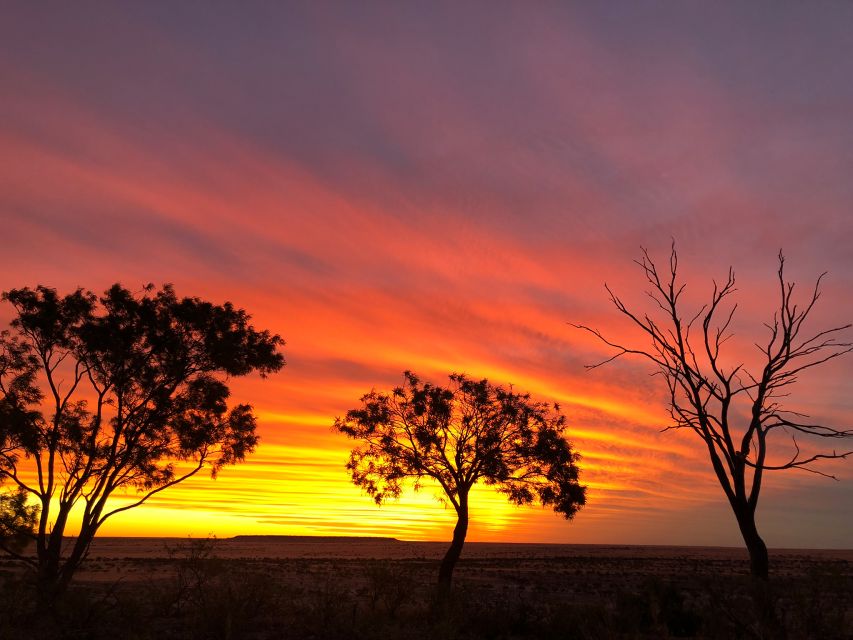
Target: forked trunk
x=55, y=573
x=445, y=572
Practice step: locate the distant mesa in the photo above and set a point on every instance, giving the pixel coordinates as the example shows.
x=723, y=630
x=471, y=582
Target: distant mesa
x=312, y=539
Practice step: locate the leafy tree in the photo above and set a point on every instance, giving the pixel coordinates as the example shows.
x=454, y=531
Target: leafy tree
x=467, y=432
x=112, y=393
x=17, y=521
x=737, y=413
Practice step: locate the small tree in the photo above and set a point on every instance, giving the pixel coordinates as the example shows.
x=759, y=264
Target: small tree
x=737, y=414
x=459, y=435
x=99, y=395
x=17, y=521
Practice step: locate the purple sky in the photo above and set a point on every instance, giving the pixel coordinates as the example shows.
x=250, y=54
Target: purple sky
x=442, y=187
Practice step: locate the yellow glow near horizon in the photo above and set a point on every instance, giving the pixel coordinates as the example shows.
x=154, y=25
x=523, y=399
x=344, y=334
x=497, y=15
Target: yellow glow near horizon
x=456, y=219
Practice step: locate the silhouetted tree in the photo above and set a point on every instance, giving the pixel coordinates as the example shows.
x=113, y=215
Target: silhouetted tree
x=458, y=435
x=735, y=412
x=99, y=395
x=17, y=522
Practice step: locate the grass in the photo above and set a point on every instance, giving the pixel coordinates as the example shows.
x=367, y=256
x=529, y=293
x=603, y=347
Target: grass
x=192, y=593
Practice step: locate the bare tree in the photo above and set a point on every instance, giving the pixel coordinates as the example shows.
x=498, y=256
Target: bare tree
x=104, y=395
x=459, y=435
x=738, y=414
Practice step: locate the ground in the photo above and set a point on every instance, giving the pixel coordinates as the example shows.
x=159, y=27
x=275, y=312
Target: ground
x=266, y=587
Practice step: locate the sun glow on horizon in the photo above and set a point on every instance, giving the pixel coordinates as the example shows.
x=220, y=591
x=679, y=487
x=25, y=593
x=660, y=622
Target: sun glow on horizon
x=448, y=201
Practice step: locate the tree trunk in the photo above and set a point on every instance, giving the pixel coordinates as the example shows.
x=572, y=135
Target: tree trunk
x=48, y=587
x=49, y=546
x=445, y=572
x=759, y=562
x=54, y=574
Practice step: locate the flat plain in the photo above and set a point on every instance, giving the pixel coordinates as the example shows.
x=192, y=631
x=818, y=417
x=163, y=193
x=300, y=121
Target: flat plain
x=280, y=587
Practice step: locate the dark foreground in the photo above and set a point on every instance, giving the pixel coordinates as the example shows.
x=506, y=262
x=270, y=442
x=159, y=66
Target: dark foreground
x=258, y=588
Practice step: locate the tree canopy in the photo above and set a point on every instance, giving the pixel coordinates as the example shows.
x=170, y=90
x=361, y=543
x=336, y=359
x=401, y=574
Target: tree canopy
x=121, y=392
x=467, y=432
x=17, y=520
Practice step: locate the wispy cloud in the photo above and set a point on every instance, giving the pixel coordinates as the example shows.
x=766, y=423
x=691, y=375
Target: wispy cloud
x=440, y=190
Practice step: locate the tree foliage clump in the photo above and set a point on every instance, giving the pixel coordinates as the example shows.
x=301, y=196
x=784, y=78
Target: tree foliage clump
x=124, y=392
x=467, y=432
x=17, y=521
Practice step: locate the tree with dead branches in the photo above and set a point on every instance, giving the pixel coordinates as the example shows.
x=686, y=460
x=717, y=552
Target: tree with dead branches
x=467, y=432
x=737, y=413
x=120, y=394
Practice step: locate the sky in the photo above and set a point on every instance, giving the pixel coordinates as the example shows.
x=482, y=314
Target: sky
x=444, y=187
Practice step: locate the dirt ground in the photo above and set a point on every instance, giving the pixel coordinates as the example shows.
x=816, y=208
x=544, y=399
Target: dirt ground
x=270, y=587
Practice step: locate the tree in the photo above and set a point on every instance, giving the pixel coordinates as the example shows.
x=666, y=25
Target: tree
x=457, y=436
x=17, y=521
x=110, y=394
x=737, y=414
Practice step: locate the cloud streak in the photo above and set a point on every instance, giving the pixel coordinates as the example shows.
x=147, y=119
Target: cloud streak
x=440, y=191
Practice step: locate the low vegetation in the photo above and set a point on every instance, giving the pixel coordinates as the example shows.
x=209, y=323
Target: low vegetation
x=192, y=592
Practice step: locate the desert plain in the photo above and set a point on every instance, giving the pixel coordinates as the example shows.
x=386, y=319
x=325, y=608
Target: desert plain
x=260, y=587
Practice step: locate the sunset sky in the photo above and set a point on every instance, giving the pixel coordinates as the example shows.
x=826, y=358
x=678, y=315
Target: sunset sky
x=444, y=187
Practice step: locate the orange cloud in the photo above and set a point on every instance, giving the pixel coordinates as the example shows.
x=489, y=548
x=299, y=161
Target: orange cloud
x=453, y=220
